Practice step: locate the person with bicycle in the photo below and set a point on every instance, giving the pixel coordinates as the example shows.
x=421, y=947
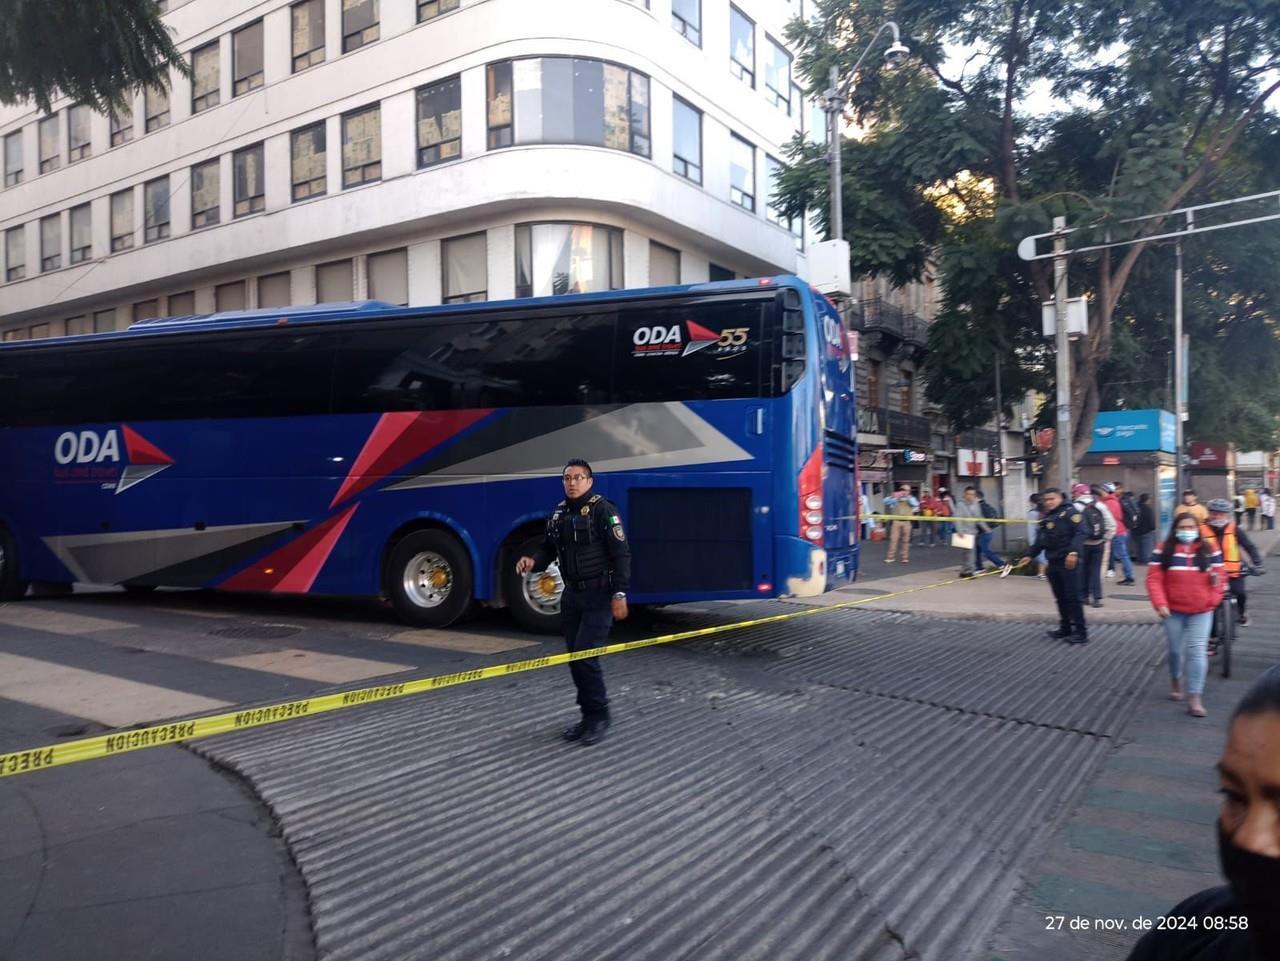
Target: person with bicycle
x=1232, y=540
x=1185, y=581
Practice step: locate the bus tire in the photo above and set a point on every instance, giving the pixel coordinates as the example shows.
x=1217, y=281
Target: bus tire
x=12, y=587
x=429, y=578
x=534, y=599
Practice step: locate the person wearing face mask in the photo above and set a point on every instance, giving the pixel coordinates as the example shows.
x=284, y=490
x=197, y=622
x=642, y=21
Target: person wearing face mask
x=1185, y=581
x=1239, y=921
x=1232, y=540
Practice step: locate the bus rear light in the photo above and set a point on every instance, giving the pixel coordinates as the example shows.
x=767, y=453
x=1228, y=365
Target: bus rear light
x=814, y=534
x=813, y=502
x=810, y=489
x=764, y=587
x=813, y=517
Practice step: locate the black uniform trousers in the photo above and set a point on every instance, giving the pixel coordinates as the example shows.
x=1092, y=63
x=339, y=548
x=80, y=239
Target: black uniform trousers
x=1066, y=592
x=587, y=617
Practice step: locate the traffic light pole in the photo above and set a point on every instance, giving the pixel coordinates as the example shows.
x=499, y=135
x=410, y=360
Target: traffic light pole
x=1063, y=350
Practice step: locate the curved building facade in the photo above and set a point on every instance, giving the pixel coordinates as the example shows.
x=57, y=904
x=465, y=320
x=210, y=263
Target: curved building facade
x=412, y=151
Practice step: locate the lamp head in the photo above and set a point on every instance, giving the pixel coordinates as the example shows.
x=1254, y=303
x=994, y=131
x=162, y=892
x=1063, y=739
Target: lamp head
x=896, y=54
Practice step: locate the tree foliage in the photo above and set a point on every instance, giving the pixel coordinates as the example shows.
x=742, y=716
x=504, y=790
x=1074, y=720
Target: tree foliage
x=1162, y=103
x=93, y=51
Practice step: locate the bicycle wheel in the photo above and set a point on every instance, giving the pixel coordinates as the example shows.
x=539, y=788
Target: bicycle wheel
x=1228, y=634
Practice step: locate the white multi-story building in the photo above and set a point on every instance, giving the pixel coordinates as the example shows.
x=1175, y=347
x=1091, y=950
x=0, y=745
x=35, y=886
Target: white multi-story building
x=411, y=151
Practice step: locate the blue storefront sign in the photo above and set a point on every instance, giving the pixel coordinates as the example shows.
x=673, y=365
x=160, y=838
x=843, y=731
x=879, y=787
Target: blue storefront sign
x=1136, y=430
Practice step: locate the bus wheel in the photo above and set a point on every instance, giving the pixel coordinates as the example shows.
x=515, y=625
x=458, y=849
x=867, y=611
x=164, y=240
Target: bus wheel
x=534, y=599
x=11, y=587
x=429, y=579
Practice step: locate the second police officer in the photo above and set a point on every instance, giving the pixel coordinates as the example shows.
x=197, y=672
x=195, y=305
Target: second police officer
x=584, y=533
x=1061, y=537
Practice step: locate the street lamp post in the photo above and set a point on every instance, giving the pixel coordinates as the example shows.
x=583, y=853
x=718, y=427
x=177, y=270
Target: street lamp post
x=835, y=100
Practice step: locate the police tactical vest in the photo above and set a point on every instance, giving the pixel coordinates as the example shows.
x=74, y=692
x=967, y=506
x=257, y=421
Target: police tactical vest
x=581, y=549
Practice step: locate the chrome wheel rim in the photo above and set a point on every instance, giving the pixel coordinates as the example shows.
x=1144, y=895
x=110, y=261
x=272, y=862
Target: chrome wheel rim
x=428, y=579
x=542, y=590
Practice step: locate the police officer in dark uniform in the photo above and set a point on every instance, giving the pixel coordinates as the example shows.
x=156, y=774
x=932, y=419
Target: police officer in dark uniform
x=585, y=533
x=1061, y=537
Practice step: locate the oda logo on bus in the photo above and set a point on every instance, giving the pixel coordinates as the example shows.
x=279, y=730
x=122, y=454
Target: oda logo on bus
x=667, y=340
x=92, y=457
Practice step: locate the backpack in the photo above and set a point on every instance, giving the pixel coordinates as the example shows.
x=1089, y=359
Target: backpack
x=1094, y=526
x=1132, y=516
x=988, y=510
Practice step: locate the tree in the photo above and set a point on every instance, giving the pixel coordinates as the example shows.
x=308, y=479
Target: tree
x=93, y=51
x=1161, y=97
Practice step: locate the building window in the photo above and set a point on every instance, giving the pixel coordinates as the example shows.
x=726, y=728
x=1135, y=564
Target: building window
x=687, y=161
x=15, y=333
x=308, y=34
x=79, y=142
x=50, y=242
x=742, y=172
x=146, y=310
x=156, y=208
x=742, y=46
x=686, y=18
x=50, y=155
x=715, y=272
x=39, y=331
x=248, y=180
x=229, y=296
x=308, y=162
x=362, y=147
x=777, y=76
x=13, y=159
x=772, y=171
x=206, y=192
x=181, y=305
x=121, y=126
x=81, y=233
x=77, y=326
x=567, y=259
x=205, y=92
x=568, y=100
x=359, y=24
x=389, y=276
x=155, y=104
x=274, y=290
x=15, y=253
x=439, y=122
x=464, y=264
x=335, y=283
x=246, y=58
x=122, y=220
x=104, y=320
x=430, y=9
x=664, y=265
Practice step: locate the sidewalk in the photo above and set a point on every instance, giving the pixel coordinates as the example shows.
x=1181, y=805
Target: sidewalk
x=1018, y=597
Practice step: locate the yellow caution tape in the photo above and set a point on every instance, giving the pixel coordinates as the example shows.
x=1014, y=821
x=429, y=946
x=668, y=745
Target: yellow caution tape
x=953, y=520
x=158, y=735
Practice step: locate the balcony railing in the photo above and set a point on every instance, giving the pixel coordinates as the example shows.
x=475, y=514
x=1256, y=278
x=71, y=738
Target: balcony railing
x=908, y=429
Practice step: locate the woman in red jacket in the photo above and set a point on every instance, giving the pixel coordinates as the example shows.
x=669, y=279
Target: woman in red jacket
x=1185, y=580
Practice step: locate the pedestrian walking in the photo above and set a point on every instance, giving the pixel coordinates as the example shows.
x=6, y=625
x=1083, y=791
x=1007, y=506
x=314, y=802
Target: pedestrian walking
x=1034, y=514
x=1268, y=509
x=1238, y=501
x=946, y=508
x=868, y=522
x=1129, y=510
x=1145, y=529
x=1192, y=505
x=1060, y=535
x=1251, y=504
x=930, y=506
x=1120, y=539
x=965, y=539
x=585, y=534
x=902, y=506
x=1238, y=921
x=982, y=549
x=1185, y=581
x=1095, y=530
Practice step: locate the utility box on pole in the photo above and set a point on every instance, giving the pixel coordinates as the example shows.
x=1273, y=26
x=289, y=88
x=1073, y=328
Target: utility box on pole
x=829, y=268
x=1077, y=318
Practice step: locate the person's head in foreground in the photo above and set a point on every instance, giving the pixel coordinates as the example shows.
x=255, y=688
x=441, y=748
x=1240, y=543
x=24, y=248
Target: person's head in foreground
x=1243, y=917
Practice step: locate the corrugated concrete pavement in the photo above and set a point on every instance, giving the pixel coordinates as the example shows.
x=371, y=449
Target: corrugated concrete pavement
x=854, y=785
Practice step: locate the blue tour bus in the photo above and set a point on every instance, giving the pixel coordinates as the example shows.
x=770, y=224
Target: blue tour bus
x=414, y=453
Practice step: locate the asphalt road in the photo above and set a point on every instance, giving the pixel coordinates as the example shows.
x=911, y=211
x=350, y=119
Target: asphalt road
x=850, y=784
